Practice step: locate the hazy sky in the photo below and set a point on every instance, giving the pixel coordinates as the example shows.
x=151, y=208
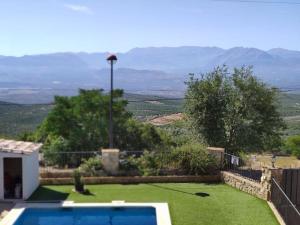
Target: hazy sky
x=43, y=26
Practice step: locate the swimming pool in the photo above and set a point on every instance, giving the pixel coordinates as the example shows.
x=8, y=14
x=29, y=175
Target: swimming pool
x=88, y=216
x=70, y=213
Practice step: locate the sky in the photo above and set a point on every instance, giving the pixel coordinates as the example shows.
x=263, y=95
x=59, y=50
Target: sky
x=47, y=26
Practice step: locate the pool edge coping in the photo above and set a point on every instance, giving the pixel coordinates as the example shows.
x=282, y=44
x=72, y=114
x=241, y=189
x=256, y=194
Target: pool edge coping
x=162, y=209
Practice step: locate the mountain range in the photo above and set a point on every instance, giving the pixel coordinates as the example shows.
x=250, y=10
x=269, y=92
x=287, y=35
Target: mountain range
x=145, y=70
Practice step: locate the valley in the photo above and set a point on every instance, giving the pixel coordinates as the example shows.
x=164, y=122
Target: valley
x=18, y=118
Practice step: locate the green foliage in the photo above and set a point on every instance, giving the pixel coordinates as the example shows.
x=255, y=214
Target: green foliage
x=139, y=136
x=194, y=159
x=292, y=145
x=83, y=119
x=128, y=164
x=80, y=124
x=180, y=133
x=191, y=158
x=91, y=166
x=55, y=151
x=16, y=119
x=78, y=182
x=147, y=164
x=234, y=110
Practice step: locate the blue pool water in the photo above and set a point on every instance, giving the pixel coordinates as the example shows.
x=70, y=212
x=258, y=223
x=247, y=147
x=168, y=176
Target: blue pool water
x=88, y=216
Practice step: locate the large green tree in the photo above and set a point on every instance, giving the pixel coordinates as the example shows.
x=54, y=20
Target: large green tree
x=234, y=110
x=80, y=124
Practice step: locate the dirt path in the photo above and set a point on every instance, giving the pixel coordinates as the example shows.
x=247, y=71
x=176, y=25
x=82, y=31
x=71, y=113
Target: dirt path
x=164, y=120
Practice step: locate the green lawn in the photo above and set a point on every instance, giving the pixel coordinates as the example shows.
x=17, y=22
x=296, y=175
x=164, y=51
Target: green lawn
x=190, y=204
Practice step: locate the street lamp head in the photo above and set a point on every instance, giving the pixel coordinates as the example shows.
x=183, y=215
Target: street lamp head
x=112, y=59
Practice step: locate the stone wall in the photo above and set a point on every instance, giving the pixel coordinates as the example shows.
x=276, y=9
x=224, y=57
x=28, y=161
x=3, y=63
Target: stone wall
x=260, y=189
x=244, y=184
x=135, y=180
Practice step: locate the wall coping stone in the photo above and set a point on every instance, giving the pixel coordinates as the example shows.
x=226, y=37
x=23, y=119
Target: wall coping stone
x=135, y=179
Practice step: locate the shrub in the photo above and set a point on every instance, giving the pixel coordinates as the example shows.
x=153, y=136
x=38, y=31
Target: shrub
x=194, y=159
x=78, y=182
x=129, y=164
x=91, y=166
x=147, y=164
x=55, y=152
x=190, y=159
x=292, y=145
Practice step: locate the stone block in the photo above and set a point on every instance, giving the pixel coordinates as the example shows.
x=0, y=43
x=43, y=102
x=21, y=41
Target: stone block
x=110, y=160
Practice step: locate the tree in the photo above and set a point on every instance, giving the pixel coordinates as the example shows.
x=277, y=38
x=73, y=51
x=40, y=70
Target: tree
x=234, y=110
x=80, y=124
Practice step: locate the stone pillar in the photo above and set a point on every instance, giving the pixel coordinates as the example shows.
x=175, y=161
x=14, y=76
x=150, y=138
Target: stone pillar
x=110, y=160
x=265, y=182
x=218, y=153
x=266, y=179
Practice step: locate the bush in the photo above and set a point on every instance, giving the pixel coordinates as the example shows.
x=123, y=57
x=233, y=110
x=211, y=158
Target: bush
x=55, y=152
x=188, y=159
x=194, y=159
x=91, y=166
x=292, y=145
x=78, y=183
x=147, y=164
x=129, y=164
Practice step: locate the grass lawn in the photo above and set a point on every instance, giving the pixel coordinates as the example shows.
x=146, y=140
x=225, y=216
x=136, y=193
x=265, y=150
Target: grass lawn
x=190, y=204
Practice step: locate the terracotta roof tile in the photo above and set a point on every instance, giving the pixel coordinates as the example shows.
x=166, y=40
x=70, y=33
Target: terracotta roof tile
x=19, y=147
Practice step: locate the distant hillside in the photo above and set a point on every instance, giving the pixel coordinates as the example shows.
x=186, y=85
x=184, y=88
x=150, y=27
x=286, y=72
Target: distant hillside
x=145, y=69
x=17, y=118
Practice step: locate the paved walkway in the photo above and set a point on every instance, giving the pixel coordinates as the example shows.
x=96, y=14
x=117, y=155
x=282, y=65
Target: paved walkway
x=4, y=208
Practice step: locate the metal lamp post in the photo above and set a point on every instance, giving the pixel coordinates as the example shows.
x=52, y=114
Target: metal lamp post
x=112, y=59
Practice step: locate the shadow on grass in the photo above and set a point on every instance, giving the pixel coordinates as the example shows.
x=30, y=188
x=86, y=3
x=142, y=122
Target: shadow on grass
x=87, y=192
x=202, y=194
x=199, y=194
x=47, y=194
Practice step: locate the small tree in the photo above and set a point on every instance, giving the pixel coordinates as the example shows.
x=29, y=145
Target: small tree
x=234, y=110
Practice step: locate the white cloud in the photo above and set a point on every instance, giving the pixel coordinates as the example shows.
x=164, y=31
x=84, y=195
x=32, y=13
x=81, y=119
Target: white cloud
x=79, y=8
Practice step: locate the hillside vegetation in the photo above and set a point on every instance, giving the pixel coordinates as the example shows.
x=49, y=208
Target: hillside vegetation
x=18, y=118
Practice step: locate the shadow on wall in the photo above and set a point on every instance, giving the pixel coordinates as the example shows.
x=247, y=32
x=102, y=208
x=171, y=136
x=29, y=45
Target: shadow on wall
x=45, y=194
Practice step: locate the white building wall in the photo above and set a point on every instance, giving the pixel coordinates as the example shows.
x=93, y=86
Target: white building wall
x=30, y=174
x=30, y=170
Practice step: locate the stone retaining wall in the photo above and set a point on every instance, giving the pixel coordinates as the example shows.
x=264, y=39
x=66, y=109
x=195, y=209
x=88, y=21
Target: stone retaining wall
x=134, y=180
x=244, y=184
